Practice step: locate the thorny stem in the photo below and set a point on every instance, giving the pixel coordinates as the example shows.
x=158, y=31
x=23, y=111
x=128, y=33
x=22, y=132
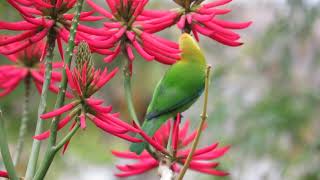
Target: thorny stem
x=42, y=106
x=5, y=153
x=67, y=63
x=49, y=156
x=24, y=121
x=41, y=173
x=128, y=89
x=203, y=119
x=152, y=152
x=169, y=147
x=67, y=137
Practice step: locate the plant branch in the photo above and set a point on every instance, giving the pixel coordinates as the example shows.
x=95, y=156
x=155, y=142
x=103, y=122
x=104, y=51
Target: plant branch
x=42, y=106
x=169, y=143
x=203, y=119
x=127, y=87
x=6, y=157
x=49, y=156
x=41, y=173
x=67, y=64
x=67, y=138
x=24, y=121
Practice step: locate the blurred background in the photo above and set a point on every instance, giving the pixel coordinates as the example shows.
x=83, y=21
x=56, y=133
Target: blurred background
x=264, y=99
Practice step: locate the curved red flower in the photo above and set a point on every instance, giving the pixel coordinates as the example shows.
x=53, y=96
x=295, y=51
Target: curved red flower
x=26, y=64
x=202, y=160
x=198, y=18
x=40, y=17
x=123, y=32
x=84, y=80
x=4, y=174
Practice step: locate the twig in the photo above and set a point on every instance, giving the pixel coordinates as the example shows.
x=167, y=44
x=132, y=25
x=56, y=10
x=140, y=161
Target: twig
x=67, y=137
x=42, y=106
x=49, y=156
x=5, y=150
x=41, y=173
x=127, y=87
x=24, y=121
x=64, y=80
x=203, y=119
x=169, y=143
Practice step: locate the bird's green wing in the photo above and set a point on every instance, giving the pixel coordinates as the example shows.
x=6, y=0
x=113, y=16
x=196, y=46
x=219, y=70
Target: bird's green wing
x=176, y=92
x=181, y=86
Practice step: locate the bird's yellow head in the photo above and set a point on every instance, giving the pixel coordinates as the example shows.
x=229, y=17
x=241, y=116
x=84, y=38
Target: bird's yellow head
x=190, y=50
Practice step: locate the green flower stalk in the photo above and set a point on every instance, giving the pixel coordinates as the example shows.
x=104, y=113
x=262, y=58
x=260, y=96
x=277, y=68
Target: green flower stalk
x=24, y=122
x=5, y=150
x=50, y=152
x=31, y=168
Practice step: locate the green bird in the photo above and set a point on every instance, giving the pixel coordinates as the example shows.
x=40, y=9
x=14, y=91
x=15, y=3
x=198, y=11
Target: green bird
x=180, y=87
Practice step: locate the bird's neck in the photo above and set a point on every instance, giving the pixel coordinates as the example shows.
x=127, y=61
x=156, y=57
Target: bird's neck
x=191, y=58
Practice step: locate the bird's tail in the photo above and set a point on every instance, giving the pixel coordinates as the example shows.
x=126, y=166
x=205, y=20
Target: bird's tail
x=149, y=127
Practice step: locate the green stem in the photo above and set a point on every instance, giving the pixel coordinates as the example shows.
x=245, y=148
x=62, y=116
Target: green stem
x=67, y=63
x=41, y=173
x=128, y=89
x=128, y=94
x=6, y=157
x=203, y=119
x=24, y=121
x=64, y=81
x=49, y=156
x=31, y=168
x=169, y=146
x=67, y=138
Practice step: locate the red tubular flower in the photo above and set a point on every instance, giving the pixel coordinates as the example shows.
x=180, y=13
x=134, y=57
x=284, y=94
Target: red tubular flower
x=123, y=32
x=84, y=80
x=40, y=17
x=198, y=18
x=202, y=160
x=26, y=64
x=4, y=174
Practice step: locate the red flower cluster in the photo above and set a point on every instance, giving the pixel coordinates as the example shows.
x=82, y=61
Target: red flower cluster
x=26, y=64
x=123, y=32
x=201, y=160
x=40, y=17
x=84, y=81
x=196, y=18
x=4, y=174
